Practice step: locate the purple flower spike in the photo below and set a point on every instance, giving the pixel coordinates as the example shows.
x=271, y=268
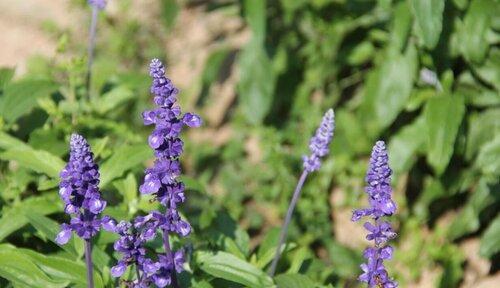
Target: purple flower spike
x=99, y=4
x=318, y=145
x=162, y=182
x=378, y=179
x=79, y=190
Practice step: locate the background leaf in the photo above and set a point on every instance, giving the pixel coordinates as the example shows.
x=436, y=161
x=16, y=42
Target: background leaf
x=429, y=20
x=443, y=116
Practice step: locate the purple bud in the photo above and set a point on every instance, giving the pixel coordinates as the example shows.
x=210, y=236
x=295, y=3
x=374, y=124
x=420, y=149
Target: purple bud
x=64, y=235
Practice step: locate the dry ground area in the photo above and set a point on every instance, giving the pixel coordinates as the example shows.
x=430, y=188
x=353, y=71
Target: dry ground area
x=23, y=37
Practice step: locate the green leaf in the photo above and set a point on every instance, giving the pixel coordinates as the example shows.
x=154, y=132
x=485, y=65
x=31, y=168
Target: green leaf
x=489, y=70
x=122, y=160
x=293, y=281
x=385, y=98
x=13, y=218
x=401, y=26
x=21, y=97
x=257, y=81
x=113, y=99
x=18, y=267
x=62, y=268
x=488, y=159
x=37, y=160
x=443, y=116
x=345, y=260
x=428, y=20
x=467, y=221
x=483, y=127
x=9, y=142
x=490, y=242
x=404, y=145
x=226, y=266
x=255, y=14
x=169, y=11
x=474, y=45
x=50, y=228
x=6, y=75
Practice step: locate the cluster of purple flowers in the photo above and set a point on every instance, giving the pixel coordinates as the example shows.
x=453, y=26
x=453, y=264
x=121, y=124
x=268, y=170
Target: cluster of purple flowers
x=79, y=190
x=318, y=145
x=379, y=193
x=99, y=4
x=161, y=181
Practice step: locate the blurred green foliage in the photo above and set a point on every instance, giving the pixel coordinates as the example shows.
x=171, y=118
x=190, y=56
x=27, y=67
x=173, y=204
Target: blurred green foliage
x=361, y=57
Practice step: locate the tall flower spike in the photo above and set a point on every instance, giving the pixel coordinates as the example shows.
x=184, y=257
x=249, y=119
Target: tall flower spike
x=161, y=180
x=318, y=145
x=79, y=189
x=378, y=179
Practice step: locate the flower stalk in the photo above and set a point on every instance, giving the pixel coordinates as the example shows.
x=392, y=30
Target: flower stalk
x=318, y=146
x=96, y=5
x=88, y=263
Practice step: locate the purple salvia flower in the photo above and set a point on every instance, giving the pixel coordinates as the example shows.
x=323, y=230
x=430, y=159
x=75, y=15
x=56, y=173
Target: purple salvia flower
x=318, y=145
x=378, y=179
x=162, y=182
x=79, y=189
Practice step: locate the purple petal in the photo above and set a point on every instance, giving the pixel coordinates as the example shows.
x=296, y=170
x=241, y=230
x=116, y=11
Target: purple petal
x=118, y=269
x=64, y=235
x=192, y=120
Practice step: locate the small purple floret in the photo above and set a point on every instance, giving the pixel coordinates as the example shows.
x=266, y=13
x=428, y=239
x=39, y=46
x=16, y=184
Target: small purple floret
x=378, y=179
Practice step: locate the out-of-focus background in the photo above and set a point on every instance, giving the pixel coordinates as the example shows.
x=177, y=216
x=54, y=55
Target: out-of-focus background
x=422, y=75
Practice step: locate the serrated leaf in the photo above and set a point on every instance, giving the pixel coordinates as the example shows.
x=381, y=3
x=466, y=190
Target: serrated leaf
x=37, y=160
x=21, y=97
x=428, y=19
x=122, y=160
x=443, y=116
x=229, y=267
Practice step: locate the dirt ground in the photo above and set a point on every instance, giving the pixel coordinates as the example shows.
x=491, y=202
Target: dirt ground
x=23, y=36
